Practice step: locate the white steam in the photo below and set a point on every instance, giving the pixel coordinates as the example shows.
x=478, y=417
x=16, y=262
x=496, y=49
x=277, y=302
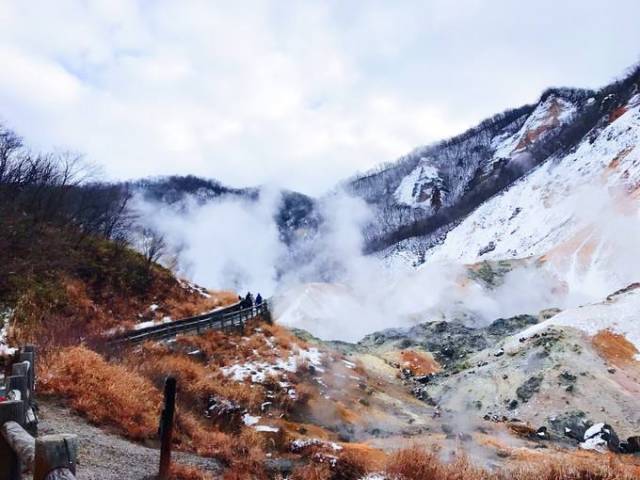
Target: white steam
x=229, y=244
x=328, y=287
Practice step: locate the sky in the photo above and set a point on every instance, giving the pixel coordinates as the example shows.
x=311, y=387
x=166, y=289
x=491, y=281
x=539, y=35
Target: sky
x=298, y=94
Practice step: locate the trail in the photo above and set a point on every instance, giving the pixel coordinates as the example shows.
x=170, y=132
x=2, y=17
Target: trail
x=105, y=456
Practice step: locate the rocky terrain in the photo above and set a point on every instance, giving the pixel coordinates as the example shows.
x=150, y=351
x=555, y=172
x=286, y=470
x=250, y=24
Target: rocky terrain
x=544, y=379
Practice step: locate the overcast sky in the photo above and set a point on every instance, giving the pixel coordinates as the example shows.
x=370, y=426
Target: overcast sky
x=299, y=93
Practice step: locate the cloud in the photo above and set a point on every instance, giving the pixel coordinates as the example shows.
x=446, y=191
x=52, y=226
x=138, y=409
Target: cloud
x=302, y=94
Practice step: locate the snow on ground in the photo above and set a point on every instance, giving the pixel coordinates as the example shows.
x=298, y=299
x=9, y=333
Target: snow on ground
x=250, y=420
x=552, y=112
x=583, y=204
x=409, y=190
x=595, y=438
x=259, y=372
x=266, y=428
x=302, y=443
x=621, y=315
x=151, y=323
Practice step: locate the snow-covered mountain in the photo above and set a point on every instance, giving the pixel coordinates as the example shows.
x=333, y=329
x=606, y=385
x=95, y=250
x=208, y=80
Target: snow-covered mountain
x=508, y=187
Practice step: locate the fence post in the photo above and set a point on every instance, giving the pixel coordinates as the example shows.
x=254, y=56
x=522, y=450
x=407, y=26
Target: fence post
x=55, y=453
x=12, y=410
x=166, y=427
x=30, y=356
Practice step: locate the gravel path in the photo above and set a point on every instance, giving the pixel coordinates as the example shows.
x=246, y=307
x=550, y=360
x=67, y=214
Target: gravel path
x=105, y=456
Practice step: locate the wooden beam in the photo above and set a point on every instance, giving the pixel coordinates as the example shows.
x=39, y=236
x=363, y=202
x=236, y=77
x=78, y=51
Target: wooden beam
x=10, y=411
x=23, y=444
x=54, y=455
x=166, y=427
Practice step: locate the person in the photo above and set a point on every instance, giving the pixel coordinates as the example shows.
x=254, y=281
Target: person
x=258, y=300
x=248, y=300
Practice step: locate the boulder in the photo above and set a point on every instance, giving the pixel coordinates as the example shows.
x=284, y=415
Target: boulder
x=528, y=388
x=572, y=424
x=601, y=437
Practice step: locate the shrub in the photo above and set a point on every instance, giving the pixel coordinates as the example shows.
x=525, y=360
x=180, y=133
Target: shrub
x=106, y=394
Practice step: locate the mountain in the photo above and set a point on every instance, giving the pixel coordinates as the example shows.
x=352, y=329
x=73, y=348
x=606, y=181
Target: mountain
x=568, y=135
x=296, y=215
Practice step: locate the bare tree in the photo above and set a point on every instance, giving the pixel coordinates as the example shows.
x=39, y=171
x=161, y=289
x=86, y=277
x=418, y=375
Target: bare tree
x=152, y=245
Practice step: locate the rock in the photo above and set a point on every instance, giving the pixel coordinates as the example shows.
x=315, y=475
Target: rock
x=566, y=378
x=282, y=466
x=512, y=405
x=503, y=453
x=423, y=379
x=508, y=326
x=611, y=370
x=633, y=444
x=529, y=388
x=543, y=434
x=601, y=437
x=487, y=248
x=572, y=424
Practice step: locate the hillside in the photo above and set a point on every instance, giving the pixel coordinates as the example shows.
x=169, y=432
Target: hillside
x=68, y=271
x=423, y=196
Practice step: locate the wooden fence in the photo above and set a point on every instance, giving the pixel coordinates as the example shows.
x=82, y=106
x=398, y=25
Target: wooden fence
x=48, y=457
x=233, y=317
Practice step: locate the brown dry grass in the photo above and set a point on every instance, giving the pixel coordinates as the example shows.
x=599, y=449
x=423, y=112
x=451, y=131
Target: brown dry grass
x=106, y=394
x=130, y=404
x=188, y=472
x=194, y=304
x=197, y=382
x=416, y=463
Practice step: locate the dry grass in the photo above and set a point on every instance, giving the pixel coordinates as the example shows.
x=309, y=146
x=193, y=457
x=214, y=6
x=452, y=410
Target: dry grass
x=106, y=394
x=188, y=472
x=416, y=463
x=312, y=471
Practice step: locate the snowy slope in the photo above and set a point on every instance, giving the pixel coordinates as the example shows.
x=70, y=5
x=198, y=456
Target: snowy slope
x=578, y=210
x=436, y=185
x=421, y=187
x=620, y=314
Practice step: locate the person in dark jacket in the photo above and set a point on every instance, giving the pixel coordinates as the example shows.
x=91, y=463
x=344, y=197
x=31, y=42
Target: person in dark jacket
x=248, y=300
x=258, y=300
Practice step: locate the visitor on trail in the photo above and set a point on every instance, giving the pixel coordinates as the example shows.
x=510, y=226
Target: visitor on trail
x=248, y=300
x=258, y=300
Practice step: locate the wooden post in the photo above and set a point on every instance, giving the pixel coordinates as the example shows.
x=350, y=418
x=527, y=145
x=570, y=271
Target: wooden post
x=27, y=356
x=55, y=457
x=10, y=468
x=23, y=444
x=166, y=427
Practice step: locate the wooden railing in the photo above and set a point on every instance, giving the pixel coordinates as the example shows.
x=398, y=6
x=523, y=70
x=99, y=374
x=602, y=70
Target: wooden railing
x=49, y=457
x=233, y=317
